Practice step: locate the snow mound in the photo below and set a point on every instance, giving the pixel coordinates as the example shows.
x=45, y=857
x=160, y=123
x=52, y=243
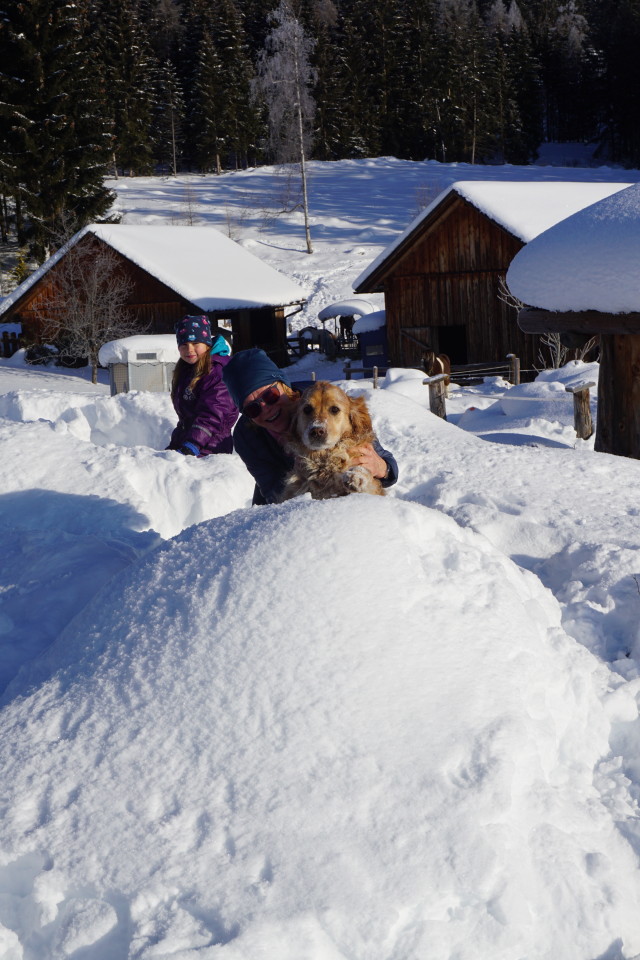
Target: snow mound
x=128, y=419
x=589, y=261
x=235, y=753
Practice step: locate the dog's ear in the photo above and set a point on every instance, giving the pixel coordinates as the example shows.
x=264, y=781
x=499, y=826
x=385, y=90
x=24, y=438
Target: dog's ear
x=359, y=417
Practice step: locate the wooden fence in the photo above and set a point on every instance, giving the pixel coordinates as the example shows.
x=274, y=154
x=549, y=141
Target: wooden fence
x=374, y=372
x=470, y=373
x=582, y=421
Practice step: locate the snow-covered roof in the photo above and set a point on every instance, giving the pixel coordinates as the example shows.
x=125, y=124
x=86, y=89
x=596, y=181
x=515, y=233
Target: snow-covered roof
x=10, y=327
x=524, y=208
x=198, y=263
x=589, y=261
x=370, y=322
x=163, y=345
x=356, y=307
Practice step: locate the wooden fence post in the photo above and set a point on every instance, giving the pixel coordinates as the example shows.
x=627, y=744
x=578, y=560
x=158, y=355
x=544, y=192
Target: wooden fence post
x=582, y=410
x=347, y=370
x=514, y=369
x=437, y=394
x=375, y=378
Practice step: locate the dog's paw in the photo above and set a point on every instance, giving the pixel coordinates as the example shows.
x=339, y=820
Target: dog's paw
x=357, y=480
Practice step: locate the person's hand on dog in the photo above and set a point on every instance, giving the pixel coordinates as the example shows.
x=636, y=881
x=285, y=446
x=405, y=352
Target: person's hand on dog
x=366, y=456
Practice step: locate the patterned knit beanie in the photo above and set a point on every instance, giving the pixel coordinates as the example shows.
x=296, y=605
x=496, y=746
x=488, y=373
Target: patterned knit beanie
x=193, y=330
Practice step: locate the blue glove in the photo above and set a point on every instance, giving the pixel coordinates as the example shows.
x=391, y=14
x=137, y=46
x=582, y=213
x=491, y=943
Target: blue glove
x=189, y=450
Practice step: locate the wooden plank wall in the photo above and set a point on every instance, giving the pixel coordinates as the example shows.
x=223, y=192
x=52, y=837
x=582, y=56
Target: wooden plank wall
x=451, y=277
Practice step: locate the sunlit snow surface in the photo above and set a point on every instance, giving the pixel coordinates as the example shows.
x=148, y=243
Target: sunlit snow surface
x=587, y=262
x=398, y=728
x=384, y=752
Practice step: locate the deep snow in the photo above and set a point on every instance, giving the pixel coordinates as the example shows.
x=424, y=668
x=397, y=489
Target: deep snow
x=597, y=247
x=398, y=728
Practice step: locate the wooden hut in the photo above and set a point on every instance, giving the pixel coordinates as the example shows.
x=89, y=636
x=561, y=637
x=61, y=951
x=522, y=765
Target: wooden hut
x=173, y=271
x=582, y=277
x=442, y=278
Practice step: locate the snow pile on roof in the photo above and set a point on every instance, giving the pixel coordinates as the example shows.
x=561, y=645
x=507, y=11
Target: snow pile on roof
x=355, y=307
x=126, y=350
x=222, y=762
x=199, y=263
x=590, y=261
x=524, y=208
x=203, y=265
x=370, y=322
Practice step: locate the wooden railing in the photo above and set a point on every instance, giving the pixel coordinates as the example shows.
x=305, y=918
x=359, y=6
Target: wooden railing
x=582, y=421
x=374, y=372
x=465, y=373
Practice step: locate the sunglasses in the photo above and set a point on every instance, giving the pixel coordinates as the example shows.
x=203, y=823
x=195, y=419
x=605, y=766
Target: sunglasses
x=268, y=398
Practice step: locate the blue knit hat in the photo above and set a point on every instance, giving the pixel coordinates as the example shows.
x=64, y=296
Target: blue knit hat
x=193, y=330
x=248, y=371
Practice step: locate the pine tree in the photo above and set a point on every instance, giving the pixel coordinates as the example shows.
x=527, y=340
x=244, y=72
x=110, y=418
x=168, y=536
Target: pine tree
x=222, y=121
x=464, y=110
x=329, y=90
x=168, y=120
x=618, y=27
x=413, y=81
x=205, y=119
x=517, y=100
x=237, y=115
x=130, y=70
x=57, y=139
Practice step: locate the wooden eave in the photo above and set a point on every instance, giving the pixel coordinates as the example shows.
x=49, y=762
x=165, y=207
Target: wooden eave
x=375, y=281
x=531, y=320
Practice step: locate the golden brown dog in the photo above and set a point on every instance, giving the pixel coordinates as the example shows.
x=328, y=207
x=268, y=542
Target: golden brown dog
x=325, y=429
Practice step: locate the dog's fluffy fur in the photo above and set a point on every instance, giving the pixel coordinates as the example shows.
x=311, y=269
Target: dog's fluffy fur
x=325, y=428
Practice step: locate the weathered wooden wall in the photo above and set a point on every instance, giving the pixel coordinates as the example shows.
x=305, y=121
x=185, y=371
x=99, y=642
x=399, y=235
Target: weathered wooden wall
x=445, y=291
x=618, y=429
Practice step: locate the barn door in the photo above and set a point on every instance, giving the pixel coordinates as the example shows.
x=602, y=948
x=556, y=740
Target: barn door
x=452, y=341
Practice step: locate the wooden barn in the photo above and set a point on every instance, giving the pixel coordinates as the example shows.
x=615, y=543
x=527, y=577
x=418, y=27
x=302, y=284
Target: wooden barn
x=442, y=278
x=173, y=271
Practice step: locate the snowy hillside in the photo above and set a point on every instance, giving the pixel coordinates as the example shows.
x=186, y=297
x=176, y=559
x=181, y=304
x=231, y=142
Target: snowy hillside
x=357, y=208
x=401, y=728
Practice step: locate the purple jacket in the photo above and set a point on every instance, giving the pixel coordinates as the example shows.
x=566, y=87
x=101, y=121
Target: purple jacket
x=206, y=416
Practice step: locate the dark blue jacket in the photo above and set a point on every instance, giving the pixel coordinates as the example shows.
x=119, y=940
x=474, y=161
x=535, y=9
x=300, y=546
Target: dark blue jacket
x=205, y=416
x=269, y=464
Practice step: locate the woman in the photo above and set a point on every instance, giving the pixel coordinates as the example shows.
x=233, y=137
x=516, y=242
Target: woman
x=266, y=398
x=206, y=412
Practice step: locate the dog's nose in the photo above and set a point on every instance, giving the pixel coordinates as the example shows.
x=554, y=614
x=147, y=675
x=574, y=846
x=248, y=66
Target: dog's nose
x=318, y=431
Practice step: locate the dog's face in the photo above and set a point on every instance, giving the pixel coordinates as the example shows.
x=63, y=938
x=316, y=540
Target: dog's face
x=326, y=415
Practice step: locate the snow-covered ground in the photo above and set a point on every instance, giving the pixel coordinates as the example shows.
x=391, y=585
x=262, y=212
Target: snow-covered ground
x=401, y=728
x=357, y=208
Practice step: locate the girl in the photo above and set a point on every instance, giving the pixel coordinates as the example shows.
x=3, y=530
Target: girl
x=206, y=412
x=267, y=400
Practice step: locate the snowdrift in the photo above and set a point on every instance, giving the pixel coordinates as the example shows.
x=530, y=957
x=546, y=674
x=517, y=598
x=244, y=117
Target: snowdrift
x=320, y=731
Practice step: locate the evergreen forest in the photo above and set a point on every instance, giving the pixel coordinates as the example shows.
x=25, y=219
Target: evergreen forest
x=91, y=89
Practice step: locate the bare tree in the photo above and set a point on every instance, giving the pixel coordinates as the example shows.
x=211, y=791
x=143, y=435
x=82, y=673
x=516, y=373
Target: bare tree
x=556, y=350
x=583, y=351
x=557, y=353
x=86, y=305
x=284, y=79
